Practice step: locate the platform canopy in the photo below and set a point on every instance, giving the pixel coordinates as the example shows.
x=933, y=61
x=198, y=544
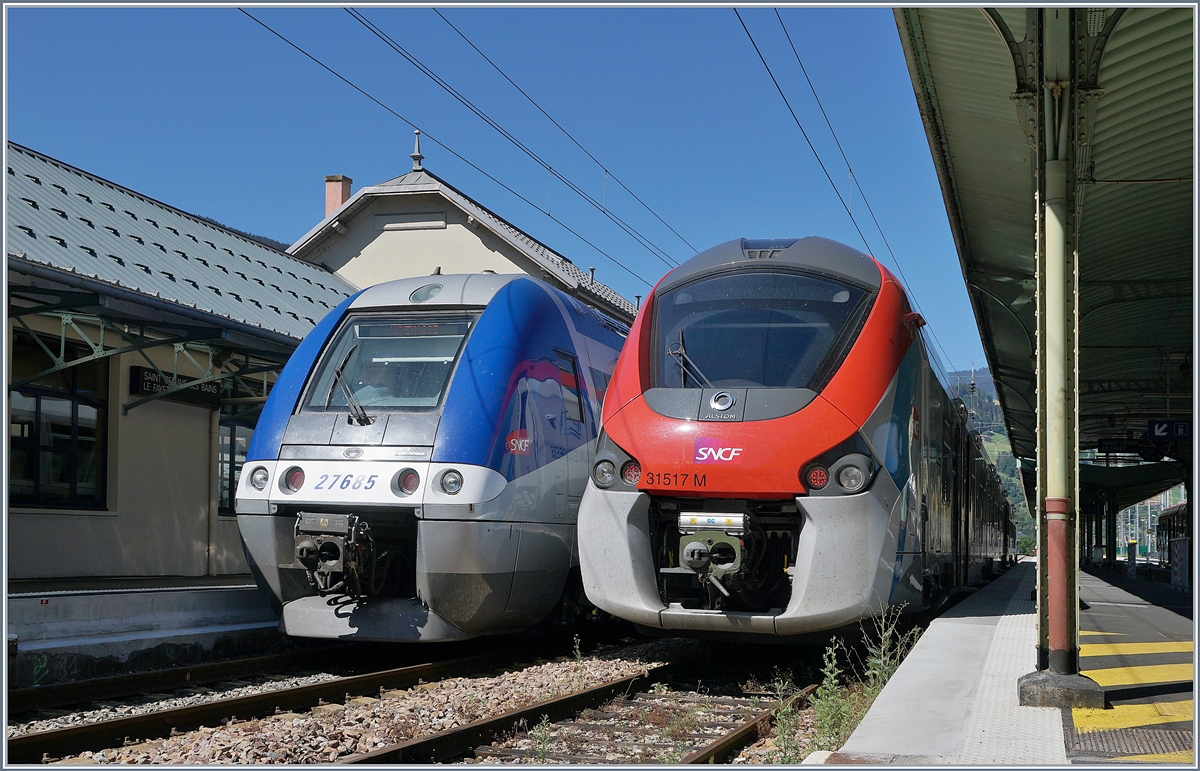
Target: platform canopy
x=976, y=74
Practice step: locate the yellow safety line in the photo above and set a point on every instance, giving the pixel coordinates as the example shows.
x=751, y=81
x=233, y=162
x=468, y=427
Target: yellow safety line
x=1187, y=756
x=1150, y=673
x=1124, y=649
x=1131, y=716
x=1088, y=631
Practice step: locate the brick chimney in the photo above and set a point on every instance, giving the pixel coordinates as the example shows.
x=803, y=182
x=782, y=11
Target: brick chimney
x=337, y=192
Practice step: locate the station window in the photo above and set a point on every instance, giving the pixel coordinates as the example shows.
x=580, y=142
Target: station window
x=57, y=428
x=234, y=441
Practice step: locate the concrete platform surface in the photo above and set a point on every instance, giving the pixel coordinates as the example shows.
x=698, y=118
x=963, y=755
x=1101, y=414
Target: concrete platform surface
x=100, y=627
x=954, y=698
x=123, y=583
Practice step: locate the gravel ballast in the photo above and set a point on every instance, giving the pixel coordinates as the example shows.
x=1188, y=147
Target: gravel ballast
x=330, y=731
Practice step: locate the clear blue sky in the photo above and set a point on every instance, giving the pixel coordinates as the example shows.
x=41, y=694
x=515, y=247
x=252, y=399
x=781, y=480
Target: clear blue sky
x=209, y=112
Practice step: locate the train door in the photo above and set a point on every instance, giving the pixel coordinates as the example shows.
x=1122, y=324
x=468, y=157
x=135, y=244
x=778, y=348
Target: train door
x=575, y=434
x=546, y=430
x=925, y=425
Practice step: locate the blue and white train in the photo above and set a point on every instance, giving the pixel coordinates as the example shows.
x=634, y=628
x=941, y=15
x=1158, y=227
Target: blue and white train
x=417, y=469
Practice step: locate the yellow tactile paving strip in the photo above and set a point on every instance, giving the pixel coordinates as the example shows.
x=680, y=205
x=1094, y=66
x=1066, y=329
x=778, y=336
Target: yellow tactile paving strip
x=1147, y=673
x=1143, y=675
x=1134, y=648
x=1131, y=716
x=1166, y=757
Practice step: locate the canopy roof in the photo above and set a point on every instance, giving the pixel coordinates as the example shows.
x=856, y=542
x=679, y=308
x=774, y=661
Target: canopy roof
x=1133, y=192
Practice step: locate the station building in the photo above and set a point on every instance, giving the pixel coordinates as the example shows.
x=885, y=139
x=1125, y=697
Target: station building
x=142, y=342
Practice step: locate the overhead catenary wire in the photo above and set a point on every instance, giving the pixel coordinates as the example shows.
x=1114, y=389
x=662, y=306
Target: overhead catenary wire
x=642, y=240
x=607, y=172
x=443, y=145
x=857, y=184
x=804, y=133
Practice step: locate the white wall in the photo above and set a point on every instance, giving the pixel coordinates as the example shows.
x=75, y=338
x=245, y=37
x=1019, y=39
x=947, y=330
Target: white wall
x=410, y=235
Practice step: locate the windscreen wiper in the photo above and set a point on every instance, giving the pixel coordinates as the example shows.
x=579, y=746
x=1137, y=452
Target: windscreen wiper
x=358, y=415
x=679, y=353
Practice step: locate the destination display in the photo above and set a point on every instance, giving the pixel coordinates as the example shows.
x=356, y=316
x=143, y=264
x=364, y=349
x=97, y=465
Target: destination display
x=144, y=381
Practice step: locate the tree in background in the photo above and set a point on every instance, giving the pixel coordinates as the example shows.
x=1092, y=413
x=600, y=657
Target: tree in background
x=987, y=418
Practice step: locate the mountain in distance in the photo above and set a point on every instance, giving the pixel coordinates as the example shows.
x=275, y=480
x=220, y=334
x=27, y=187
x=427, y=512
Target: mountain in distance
x=987, y=418
x=278, y=246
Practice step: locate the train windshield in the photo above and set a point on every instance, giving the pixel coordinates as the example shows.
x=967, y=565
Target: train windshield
x=389, y=362
x=750, y=329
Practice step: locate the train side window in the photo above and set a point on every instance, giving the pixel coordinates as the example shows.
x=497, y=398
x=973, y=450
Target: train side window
x=572, y=403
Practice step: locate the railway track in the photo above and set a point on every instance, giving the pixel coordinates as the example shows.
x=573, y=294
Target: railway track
x=608, y=723
x=629, y=717
x=46, y=746
x=21, y=700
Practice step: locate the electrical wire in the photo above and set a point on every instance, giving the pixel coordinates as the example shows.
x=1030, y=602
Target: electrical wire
x=564, y=131
x=857, y=184
x=804, y=133
x=632, y=232
x=443, y=145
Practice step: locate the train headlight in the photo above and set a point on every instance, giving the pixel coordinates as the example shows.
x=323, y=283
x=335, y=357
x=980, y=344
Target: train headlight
x=631, y=472
x=452, y=482
x=851, y=478
x=816, y=477
x=604, y=473
x=294, y=479
x=258, y=478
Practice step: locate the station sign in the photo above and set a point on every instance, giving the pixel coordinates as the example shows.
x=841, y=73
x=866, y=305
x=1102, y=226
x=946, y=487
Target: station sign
x=144, y=381
x=1169, y=430
x=1119, y=444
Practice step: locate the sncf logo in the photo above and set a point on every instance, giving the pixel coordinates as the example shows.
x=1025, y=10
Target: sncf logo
x=712, y=451
x=517, y=442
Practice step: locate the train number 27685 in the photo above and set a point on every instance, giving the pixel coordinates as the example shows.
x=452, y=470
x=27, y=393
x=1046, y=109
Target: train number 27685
x=667, y=479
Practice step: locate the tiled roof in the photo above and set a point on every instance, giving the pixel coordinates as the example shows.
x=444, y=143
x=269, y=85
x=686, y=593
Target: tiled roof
x=423, y=181
x=65, y=218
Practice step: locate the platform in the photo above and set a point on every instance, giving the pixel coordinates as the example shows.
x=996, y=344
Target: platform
x=954, y=698
x=69, y=629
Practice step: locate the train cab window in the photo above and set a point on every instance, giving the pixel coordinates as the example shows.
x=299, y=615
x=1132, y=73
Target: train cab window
x=750, y=329
x=388, y=362
x=572, y=402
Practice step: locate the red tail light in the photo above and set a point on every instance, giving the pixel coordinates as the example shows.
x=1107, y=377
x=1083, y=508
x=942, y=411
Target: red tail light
x=816, y=477
x=410, y=481
x=295, y=479
x=631, y=472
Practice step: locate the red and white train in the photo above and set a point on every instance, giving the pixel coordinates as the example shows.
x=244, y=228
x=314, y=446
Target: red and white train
x=780, y=455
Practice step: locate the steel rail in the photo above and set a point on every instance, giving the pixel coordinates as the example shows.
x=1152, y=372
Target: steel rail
x=116, y=686
x=732, y=742
x=463, y=740
x=40, y=746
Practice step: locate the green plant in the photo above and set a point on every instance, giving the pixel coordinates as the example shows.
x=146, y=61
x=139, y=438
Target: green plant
x=781, y=685
x=838, y=708
x=658, y=689
x=831, y=708
x=578, y=651
x=788, y=749
x=886, y=648
x=541, y=739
